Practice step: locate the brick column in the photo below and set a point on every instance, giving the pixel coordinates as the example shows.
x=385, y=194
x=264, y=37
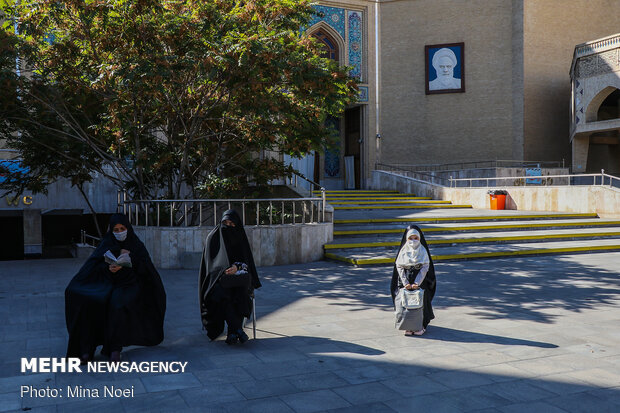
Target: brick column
x=580, y=154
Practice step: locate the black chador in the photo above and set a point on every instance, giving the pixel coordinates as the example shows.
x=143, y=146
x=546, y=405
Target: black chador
x=225, y=296
x=428, y=285
x=117, y=309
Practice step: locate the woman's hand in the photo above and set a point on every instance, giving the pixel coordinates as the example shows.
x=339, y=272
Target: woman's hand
x=231, y=270
x=114, y=268
x=124, y=251
x=408, y=287
x=415, y=286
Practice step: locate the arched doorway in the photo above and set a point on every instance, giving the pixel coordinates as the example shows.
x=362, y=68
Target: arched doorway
x=604, y=145
x=610, y=108
x=604, y=148
x=349, y=127
x=330, y=50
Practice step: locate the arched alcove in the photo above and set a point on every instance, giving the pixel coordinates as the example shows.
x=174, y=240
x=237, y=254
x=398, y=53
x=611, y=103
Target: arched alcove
x=330, y=47
x=609, y=109
x=592, y=111
x=333, y=44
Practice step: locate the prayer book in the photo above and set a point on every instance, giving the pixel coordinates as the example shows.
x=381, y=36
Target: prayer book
x=123, y=260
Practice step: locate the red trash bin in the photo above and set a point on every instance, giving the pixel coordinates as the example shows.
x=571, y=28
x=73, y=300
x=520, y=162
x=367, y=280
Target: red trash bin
x=498, y=201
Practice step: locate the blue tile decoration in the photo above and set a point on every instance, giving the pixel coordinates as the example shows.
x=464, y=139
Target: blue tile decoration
x=333, y=16
x=332, y=163
x=356, y=43
x=578, y=101
x=363, y=95
x=332, y=155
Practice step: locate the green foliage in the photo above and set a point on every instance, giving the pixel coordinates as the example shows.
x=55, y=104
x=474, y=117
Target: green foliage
x=167, y=98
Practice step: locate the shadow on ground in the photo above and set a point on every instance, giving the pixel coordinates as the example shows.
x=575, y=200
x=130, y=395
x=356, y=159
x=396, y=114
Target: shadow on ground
x=454, y=368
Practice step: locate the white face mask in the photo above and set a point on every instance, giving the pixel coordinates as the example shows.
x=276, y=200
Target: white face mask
x=121, y=236
x=414, y=243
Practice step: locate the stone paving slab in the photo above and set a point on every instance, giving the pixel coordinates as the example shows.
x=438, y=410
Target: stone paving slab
x=524, y=334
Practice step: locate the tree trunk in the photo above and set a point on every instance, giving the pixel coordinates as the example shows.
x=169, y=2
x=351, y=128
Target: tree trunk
x=92, y=210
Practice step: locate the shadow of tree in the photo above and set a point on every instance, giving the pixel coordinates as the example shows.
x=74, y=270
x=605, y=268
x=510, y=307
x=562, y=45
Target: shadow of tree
x=288, y=369
x=532, y=288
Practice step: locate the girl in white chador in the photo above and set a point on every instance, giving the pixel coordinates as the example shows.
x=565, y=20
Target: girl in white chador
x=413, y=270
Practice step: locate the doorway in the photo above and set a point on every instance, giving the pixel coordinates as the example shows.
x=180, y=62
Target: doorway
x=352, y=138
x=12, y=240
x=61, y=230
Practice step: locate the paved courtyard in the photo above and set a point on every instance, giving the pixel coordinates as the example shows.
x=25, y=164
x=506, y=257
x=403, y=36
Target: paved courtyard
x=533, y=334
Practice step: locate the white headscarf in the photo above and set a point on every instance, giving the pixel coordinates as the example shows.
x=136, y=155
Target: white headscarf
x=409, y=256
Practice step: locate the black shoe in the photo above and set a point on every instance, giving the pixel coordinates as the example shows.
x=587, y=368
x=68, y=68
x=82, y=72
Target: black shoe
x=86, y=357
x=232, y=338
x=242, y=336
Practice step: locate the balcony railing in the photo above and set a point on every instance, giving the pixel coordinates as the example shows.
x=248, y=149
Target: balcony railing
x=207, y=212
x=597, y=46
x=470, y=165
x=601, y=179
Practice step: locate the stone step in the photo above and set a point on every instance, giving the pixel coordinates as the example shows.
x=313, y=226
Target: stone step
x=368, y=228
x=466, y=252
x=379, y=229
x=373, y=197
x=437, y=219
x=400, y=202
x=415, y=214
x=418, y=206
x=478, y=238
x=355, y=191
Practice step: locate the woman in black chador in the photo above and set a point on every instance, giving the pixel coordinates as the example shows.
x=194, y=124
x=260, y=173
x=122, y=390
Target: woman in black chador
x=228, y=278
x=413, y=270
x=115, y=305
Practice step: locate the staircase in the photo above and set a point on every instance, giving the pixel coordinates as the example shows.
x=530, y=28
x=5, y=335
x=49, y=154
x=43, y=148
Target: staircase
x=368, y=226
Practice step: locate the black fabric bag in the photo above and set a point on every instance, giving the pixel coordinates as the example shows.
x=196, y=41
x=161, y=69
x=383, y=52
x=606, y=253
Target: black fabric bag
x=236, y=280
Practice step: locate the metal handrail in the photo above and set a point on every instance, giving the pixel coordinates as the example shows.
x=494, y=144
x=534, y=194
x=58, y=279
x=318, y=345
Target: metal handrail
x=613, y=181
x=470, y=165
x=191, y=212
x=84, y=237
x=298, y=174
x=322, y=189
x=428, y=177
x=602, y=176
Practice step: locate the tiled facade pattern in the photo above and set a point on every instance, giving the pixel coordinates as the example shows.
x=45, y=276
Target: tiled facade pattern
x=350, y=26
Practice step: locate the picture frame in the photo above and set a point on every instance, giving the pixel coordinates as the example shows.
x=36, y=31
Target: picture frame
x=445, y=68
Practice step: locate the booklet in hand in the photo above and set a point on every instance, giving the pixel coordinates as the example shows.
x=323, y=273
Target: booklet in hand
x=123, y=260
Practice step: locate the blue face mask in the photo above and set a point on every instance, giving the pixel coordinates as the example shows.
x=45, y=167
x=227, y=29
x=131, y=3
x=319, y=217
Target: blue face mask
x=120, y=236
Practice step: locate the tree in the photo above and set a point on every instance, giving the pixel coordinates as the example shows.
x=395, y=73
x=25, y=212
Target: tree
x=167, y=98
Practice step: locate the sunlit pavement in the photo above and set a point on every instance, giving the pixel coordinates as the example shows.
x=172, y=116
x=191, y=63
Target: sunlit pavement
x=528, y=334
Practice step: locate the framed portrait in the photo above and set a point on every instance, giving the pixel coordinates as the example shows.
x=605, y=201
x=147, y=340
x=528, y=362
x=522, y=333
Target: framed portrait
x=445, y=68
